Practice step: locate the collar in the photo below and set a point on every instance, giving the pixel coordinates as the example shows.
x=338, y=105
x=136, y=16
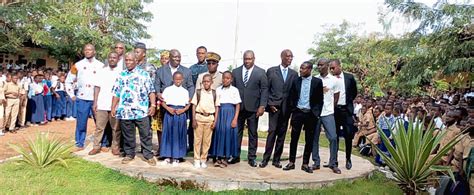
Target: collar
x=133, y=70
x=306, y=78
x=282, y=67
x=245, y=68
x=92, y=60
x=204, y=63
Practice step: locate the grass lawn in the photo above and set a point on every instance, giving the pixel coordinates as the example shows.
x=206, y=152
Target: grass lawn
x=86, y=177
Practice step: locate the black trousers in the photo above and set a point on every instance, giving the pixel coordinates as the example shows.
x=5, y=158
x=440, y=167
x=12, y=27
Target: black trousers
x=190, y=131
x=344, y=128
x=252, y=123
x=300, y=120
x=129, y=136
x=277, y=127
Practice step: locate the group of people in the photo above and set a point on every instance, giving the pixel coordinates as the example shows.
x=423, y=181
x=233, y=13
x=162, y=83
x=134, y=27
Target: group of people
x=31, y=98
x=452, y=114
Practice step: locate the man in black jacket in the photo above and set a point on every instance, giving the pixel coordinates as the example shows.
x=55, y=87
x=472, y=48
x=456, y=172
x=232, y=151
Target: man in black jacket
x=251, y=81
x=306, y=103
x=280, y=79
x=344, y=109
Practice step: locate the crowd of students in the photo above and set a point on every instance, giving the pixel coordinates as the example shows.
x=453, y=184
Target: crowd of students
x=33, y=97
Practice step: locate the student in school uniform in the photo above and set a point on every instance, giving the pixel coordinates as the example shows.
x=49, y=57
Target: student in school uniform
x=48, y=96
x=3, y=103
x=37, y=103
x=12, y=94
x=204, y=113
x=225, y=142
x=176, y=103
x=59, y=91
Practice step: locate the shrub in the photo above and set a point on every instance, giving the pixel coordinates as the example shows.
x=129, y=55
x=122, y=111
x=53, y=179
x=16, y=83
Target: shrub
x=44, y=151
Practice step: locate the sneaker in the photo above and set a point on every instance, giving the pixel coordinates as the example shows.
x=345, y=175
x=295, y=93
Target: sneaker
x=166, y=162
x=104, y=149
x=126, y=160
x=175, y=163
x=197, y=164
x=1, y=133
x=203, y=165
x=151, y=162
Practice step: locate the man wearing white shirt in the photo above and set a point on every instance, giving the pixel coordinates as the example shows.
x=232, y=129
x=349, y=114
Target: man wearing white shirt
x=344, y=109
x=84, y=73
x=120, y=49
x=103, y=103
x=331, y=89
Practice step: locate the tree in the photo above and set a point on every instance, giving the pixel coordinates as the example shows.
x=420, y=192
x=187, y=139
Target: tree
x=64, y=27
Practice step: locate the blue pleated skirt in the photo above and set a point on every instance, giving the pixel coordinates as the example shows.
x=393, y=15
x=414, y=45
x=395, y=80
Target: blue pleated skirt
x=225, y=138
x=37, y=109
x=173, y=141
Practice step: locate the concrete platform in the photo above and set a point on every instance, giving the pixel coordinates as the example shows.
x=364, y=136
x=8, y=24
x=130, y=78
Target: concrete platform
x=238, y=176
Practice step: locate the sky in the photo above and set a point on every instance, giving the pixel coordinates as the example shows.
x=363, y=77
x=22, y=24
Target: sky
x=265, y=26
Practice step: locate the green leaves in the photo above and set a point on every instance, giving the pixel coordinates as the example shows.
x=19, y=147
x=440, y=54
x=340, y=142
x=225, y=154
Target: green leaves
x=43, y=151
x=411, y=157
x=64, y=28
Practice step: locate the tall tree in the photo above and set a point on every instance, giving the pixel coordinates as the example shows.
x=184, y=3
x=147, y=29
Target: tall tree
x=64, y=27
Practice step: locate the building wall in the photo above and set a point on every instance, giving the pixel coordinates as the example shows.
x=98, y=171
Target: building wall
x=28, y=55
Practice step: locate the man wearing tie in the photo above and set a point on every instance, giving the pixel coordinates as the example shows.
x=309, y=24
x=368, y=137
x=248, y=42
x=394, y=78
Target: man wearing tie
x=306, y=102
x=251, y=81
x=280, y=78
x=345, y=107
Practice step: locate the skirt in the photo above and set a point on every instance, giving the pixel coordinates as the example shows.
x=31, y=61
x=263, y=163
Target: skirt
x=225, y=138
x=173, y=141
x=59, y=108
x=37, y=109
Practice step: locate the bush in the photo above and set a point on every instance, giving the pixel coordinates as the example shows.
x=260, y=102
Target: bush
x=410, y=156
x=43, y=151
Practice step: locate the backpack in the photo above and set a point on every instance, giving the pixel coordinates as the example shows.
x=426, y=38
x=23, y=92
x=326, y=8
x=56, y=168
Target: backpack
x=198, y=93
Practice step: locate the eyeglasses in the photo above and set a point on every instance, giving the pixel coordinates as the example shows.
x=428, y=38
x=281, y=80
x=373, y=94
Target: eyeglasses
x=212, y=63
x=118, y=47
x=320, y=64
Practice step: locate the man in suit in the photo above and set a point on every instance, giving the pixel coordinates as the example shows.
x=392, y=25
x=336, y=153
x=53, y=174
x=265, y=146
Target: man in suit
x=306, y=101
x=280, y=78
x=251, y=81
x=344, y=109
x=164, y=75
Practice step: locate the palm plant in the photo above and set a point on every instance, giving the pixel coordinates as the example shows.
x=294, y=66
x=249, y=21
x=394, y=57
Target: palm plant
x=43, y=151
x=410, y=156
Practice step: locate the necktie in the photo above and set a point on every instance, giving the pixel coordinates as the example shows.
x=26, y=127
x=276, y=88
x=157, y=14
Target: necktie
x=285, y=74
x=246, y=77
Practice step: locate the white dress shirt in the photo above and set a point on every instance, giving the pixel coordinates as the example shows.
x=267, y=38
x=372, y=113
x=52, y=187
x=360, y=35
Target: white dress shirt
x=106, y=82
x=176, y=96
x=85, y=76
x=342, y=92
x=228, y=95
x=331, y=84
x=244, y=69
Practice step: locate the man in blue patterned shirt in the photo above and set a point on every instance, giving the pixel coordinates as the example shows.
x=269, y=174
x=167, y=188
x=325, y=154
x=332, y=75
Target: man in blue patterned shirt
x=133, y=103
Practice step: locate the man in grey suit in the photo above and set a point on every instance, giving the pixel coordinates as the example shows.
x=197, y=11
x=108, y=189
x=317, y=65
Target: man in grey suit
x=280, y=78
x=164, y=75
x=252, y=83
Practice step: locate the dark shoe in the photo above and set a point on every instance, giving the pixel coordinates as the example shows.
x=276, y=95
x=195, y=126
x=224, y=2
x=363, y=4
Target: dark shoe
x=252, y=163
x=327, y=165
x=94, y=152
x=233, y=160
x=315, y=167
x=307, y=169
x=277, y=165
x=335, y=170
x=126, y=160
x=348, y=164
x=263, y=164
x=289, y=166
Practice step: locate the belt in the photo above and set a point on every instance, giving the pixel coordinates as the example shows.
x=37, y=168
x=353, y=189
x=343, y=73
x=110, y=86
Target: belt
x=304, y=110
x=204, y=114
x=11, y=98
x=341, y=106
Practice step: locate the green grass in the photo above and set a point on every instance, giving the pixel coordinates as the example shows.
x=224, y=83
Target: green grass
x=86, y=177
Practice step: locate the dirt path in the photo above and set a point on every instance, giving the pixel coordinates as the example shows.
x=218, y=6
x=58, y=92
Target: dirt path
x=62, y=129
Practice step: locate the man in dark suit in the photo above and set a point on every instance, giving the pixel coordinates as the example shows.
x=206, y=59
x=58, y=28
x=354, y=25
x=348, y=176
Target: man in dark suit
x=344, y=109
x=280, y=79
x=164, y=75
x=306, y=102
x=251, y=81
